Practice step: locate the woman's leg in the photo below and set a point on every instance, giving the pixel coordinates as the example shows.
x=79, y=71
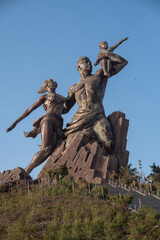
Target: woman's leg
x=49, y=138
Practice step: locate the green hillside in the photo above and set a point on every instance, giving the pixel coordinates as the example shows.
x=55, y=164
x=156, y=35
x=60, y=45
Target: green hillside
x=70, y=211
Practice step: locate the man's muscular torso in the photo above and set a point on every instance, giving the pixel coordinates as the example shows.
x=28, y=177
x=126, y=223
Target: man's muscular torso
x=89, y=92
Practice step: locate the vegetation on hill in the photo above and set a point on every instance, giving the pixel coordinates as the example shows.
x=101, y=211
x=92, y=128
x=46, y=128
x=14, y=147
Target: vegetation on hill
x=66, y=210
x=132, y=179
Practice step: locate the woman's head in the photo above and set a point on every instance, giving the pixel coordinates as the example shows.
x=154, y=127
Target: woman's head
x=48, y=84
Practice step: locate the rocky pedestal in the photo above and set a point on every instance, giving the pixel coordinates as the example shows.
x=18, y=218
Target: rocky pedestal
x=86, y=159
x=11, y=176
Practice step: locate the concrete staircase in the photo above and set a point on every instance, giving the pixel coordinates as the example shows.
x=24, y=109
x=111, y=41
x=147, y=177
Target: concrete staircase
x=139, y=199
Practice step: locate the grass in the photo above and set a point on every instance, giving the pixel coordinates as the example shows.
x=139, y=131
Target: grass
x=64, y=212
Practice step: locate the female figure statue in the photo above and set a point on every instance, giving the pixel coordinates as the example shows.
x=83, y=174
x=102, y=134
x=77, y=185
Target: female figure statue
x=49, y=125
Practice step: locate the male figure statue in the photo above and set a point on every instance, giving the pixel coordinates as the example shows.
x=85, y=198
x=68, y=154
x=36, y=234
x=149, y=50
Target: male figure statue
x=89, y=93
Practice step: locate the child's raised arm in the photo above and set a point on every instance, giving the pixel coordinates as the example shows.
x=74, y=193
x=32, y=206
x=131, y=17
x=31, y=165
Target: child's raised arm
x=117, y=44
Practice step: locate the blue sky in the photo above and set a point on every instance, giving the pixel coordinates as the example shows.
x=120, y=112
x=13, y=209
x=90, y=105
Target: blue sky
x=42, y=39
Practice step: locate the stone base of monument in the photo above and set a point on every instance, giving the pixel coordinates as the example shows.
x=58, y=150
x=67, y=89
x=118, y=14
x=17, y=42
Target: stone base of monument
x=16, y=174
x=86, y=159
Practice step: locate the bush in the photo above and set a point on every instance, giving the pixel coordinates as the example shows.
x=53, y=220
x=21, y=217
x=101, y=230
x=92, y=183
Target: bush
x=100, y=192
x=122, y=199
x=3, y=188
x=148, y=225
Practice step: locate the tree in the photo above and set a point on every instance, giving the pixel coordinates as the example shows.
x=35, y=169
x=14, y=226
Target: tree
x=155, y=173
x=128, y=174
x=155, y=169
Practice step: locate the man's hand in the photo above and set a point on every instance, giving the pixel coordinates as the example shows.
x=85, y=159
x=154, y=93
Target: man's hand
x=97, y=62
x=102, y=55
x=13, y=125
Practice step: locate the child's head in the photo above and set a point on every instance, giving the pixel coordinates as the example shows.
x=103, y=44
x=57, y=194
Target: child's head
x=103, y=45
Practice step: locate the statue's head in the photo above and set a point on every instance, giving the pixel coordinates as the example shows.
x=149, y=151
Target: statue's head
x=103, y=45
x=84, y=65
x=48, y=84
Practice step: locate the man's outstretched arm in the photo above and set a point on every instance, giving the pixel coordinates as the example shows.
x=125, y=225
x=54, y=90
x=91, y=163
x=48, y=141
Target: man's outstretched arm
x=70, y=101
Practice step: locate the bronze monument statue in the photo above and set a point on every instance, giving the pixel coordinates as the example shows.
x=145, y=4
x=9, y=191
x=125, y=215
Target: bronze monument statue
x=95, y=145
x=49, y=125
x=92, y=145
x=89, y=93
x=107, y=62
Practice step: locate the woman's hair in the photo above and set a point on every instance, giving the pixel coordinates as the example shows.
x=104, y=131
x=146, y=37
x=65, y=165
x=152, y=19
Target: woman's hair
x=47, y=84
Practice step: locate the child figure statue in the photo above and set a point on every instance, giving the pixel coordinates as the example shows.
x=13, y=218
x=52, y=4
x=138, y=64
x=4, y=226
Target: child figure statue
x=49, y=125
x=104, y=57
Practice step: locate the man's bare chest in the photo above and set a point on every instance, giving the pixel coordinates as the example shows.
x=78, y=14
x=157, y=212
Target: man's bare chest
x=88, y=88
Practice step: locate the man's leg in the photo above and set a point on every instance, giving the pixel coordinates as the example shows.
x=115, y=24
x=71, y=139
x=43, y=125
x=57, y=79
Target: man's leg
x=104, y=133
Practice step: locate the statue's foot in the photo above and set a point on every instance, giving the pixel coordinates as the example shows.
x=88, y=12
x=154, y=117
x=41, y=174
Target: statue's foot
x=30, y=134
x=27, y=170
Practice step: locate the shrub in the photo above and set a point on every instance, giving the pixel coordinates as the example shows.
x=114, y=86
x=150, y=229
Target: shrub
x=121, y=199
x=100, y=192
x=148, y=225
x=73, y=211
